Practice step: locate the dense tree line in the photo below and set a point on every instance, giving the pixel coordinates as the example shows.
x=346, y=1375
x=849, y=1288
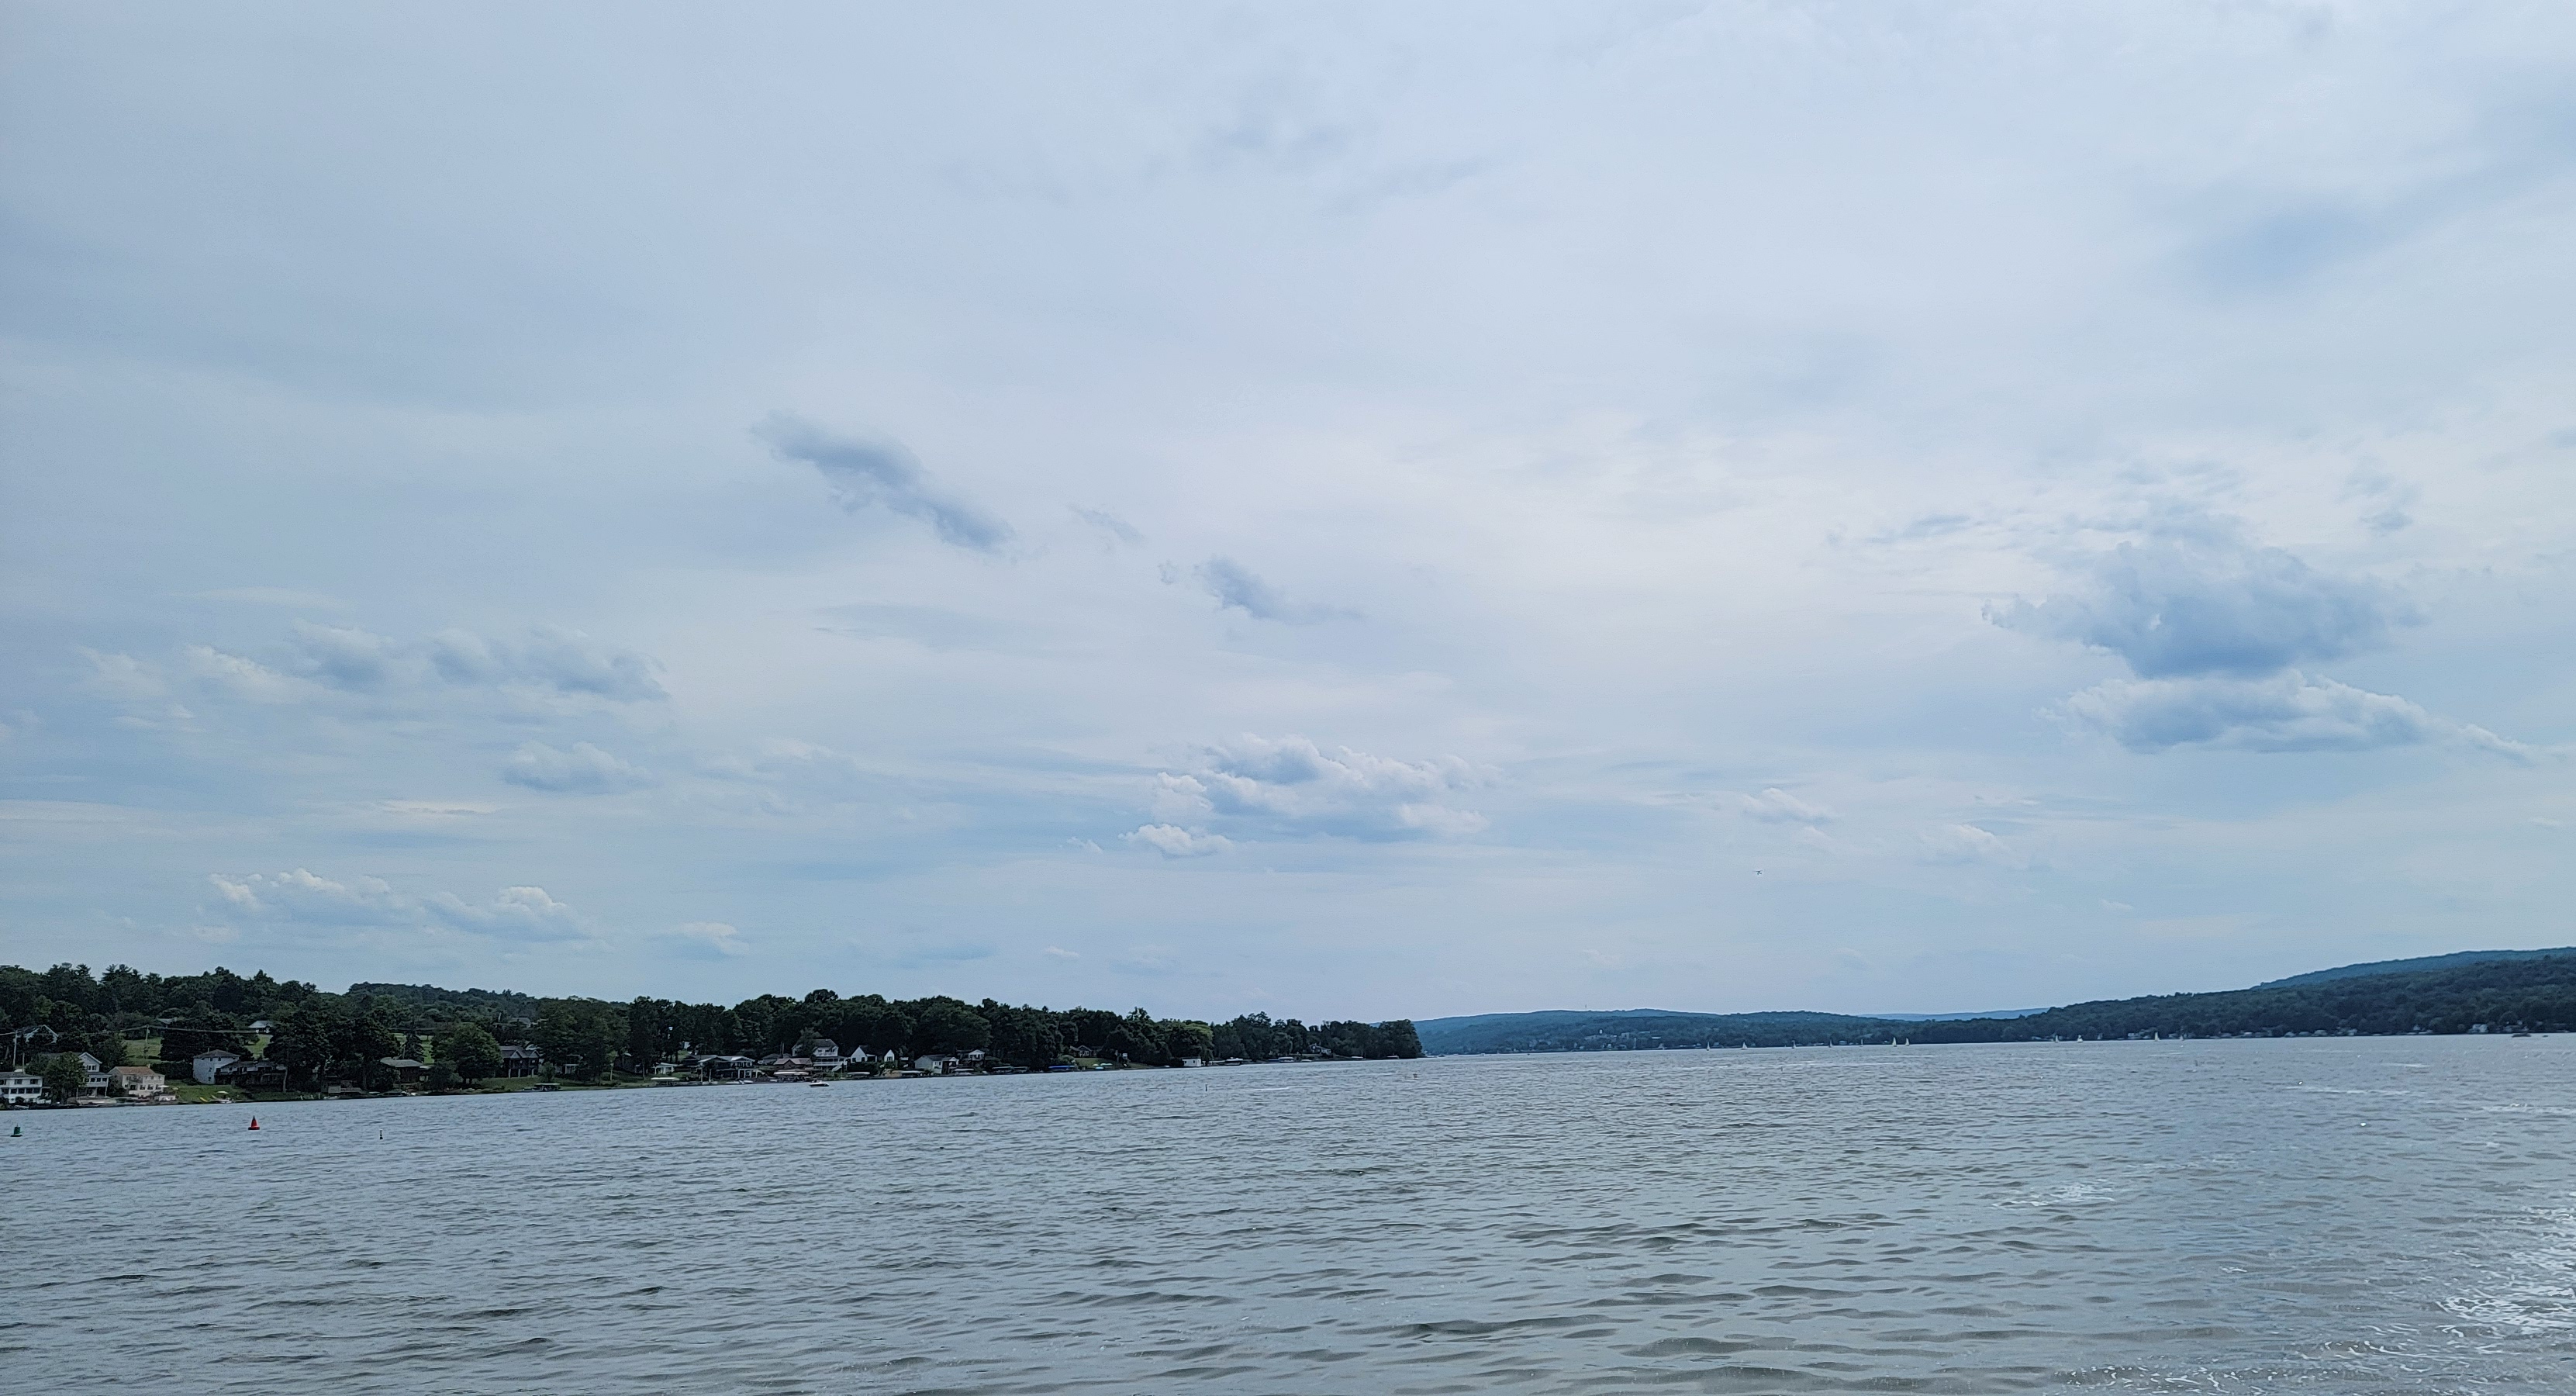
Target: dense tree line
x=96, y=1014
x=322, y=1038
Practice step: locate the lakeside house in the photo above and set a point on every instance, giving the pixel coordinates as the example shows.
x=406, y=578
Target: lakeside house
x=827, y=1054
x=21, y=1088
x=252, y=1075
x=205, y=1066
x=521, y=1060
x=403, y=1069
x=136, y=1081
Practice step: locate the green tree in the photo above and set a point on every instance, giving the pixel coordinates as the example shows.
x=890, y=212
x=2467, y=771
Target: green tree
x=65, y=1076
x=470, y=1051
x=1190, y=1039
x=581, y=1036
x=370, y=1040
x=304, y=1038
x=1025, y=1037
x=1137, y=1038
x=949, y=1026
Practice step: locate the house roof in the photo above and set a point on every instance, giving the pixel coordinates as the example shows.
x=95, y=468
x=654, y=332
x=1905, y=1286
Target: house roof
x=400, y=1063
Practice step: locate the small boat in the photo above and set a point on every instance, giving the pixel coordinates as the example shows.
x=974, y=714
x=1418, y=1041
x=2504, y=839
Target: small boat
x=818, y=1083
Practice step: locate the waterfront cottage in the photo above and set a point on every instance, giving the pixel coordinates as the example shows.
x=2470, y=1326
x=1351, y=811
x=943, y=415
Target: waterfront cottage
x=252, y=1075
x=521, y=1060
x=402, y=1069
x=206, y=1065
x=136, y=1080
x=21, y=1088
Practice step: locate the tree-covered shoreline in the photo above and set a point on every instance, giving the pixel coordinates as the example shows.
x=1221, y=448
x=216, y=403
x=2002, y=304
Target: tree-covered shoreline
x=371, y=1036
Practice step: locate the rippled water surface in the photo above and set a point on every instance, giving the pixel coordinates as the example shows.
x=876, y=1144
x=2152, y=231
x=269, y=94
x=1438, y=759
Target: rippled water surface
x=2351, y=1216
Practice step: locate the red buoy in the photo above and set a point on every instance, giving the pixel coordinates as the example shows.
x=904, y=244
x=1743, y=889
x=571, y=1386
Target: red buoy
x=254, y=1122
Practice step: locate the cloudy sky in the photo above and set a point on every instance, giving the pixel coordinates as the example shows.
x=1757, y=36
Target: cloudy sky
x=1355, y=510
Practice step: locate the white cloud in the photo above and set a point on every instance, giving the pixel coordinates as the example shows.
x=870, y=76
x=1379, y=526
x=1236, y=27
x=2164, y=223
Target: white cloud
x=1290, y=787
x=1172, y=841
x=303, y=898
x=584, y=770
x=1966, y=843
x=1777, y=806
x=123, y=677
x=439, y=810
x=2285, y=712
x=246, y=679
x=710, y=938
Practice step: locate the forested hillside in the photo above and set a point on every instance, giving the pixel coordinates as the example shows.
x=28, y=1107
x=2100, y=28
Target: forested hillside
x=2505, y=991
x=1645, y=1029
x=2538, y=994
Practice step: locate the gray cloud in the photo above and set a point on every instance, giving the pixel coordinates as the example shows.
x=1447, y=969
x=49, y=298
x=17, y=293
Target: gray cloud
x=584, y=770
x=320, y=659
x=2199, y=599
x=563, y=660
x=882, y=474
x=1118, y=529
x=2284, y=712
x=1234, y=585
x=344, y=657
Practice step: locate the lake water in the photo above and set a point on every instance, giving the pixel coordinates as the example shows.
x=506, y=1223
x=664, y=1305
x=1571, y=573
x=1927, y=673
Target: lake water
x=2348, y=1216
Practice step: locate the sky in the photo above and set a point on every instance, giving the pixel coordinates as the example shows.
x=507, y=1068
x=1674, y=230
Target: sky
x=1330, y=510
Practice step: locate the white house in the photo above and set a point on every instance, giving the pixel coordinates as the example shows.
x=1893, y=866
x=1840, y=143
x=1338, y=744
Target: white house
x=21, y=1088
x=137, y=1080
x=97, y=1083
x=826, y=1052
x=204, y=1065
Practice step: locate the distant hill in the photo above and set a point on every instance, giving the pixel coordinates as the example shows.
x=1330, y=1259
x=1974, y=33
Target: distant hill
x=2501, y=990
x=1956, y=1017
x=1634, y=1028
x=2459, y=960
x=2520, y=991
